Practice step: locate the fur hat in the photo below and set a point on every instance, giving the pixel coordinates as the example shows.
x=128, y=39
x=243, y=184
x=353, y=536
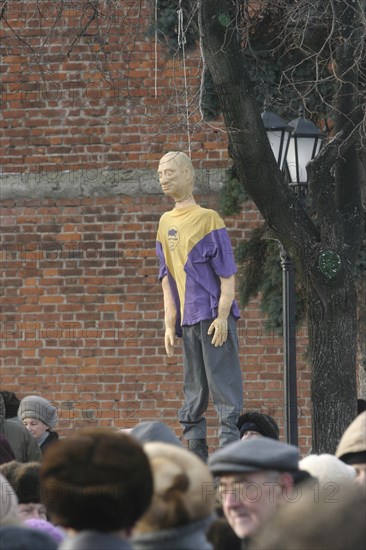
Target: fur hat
x=96, y=479
x=353, y=441
x=327, y=468
x=259, y=422
x=9, y=503
x=183, y=488
x=9, y=470
x=26, y=482
x=34, y=406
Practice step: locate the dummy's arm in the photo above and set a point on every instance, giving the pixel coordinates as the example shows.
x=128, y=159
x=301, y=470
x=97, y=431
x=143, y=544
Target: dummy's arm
x=170, y=316
x=219, y=327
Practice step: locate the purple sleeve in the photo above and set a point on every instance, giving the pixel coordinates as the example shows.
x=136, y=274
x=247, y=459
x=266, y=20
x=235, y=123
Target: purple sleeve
x=163, y=271
x=216, y=246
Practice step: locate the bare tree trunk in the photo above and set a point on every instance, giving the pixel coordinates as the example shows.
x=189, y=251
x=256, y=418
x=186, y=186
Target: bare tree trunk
x=332, y=328
x=361, y=292
x=331, y=299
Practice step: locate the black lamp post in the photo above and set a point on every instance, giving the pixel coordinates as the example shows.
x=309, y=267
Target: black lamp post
x=303, y=143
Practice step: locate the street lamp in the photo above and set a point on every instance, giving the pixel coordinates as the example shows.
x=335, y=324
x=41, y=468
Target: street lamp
x=303, y=143
x=278, y=133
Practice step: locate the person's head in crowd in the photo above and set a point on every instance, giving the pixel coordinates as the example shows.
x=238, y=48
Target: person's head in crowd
x=256, y=476
x=97, y=479
x=21, y=441
x=57, y=534
x=327, y=468
x=154, y=430
x=352, y=447
x=24, y=538
x=317, y=521
x=183, y=502
x=9, y=514
x=256, y=424
x=27, y=486
x=11, y=403
x=38, y=415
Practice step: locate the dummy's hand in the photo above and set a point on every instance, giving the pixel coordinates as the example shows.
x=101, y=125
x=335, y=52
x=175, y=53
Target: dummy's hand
x=169, y=341
x=219, y=328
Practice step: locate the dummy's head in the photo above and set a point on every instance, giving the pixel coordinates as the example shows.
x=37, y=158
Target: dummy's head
x=176, y=175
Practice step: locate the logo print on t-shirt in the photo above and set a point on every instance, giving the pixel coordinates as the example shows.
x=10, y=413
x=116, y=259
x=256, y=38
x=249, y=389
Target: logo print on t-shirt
x=173, y=237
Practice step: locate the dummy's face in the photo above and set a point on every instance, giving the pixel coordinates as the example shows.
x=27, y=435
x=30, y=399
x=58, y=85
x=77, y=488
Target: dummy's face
x=175, y=180
x=248, y=501
x=36, y=427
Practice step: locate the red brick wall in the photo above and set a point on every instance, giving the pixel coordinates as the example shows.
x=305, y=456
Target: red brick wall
x=82, y=316
x=114, y=104
x=82, y=310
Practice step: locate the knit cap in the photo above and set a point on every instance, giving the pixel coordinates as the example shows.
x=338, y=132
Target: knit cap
x=34, y=406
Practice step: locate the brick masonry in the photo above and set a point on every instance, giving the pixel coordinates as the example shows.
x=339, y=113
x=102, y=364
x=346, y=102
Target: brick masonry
x=82, y=316
x=82, y=131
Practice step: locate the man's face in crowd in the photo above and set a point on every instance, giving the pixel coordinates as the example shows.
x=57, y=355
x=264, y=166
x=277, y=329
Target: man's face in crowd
x=175, y=180
x=249, y=500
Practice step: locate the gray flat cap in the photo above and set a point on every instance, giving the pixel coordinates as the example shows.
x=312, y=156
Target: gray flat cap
x=155, y=431
x=253, y=455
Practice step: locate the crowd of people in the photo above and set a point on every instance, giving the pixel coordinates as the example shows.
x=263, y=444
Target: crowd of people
x=142, y=489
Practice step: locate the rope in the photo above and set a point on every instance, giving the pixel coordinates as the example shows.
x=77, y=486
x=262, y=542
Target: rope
x=202, y=74
x=181, y=44
x=156, y=50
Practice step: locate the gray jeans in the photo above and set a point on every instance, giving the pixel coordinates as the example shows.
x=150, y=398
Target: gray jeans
x=215, y=371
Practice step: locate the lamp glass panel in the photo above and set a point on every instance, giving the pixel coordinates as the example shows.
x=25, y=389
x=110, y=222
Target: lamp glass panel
x=275, y=138
x=317, y=146
x=305, y=147
x=291, y=160
x=286, y=140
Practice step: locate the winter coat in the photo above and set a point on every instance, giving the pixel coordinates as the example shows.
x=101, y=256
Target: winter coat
x=94, y=540
x=24, y=445
x=6, y=452
x=185, y=537
x=50, y=439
